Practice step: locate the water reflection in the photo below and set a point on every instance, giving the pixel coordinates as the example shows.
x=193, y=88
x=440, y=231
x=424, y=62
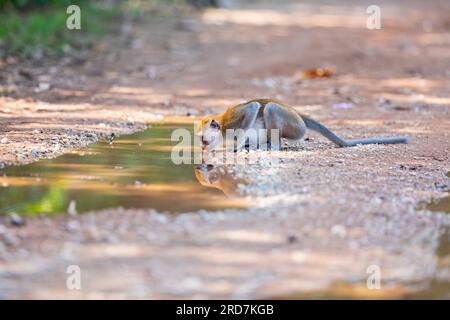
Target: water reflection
x=223, y=178
x=439, y=205
x=135, y=171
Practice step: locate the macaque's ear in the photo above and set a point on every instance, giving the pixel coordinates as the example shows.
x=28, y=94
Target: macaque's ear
x=214, y=124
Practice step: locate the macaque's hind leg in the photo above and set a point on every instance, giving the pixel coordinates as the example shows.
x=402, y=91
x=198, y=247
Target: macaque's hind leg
x=289, y=123
x=249, y=114
x=244, y=116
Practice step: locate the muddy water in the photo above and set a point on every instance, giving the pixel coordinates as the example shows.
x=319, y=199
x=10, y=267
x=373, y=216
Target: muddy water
x=439, y=205
x=134, y=171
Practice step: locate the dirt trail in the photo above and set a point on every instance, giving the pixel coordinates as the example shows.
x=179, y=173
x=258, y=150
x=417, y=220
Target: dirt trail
x=326, y=214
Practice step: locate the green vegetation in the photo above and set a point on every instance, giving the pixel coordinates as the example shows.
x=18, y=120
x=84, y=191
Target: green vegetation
x=31, y=30
x=29, y=4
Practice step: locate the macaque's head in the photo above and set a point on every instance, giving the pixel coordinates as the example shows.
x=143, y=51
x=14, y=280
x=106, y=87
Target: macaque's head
x=210, y=131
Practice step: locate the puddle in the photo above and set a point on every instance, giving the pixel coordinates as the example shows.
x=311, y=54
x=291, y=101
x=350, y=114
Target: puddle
x=439, y=205
x=135, y=171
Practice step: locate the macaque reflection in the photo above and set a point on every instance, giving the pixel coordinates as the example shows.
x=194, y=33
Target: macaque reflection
x=220, y=177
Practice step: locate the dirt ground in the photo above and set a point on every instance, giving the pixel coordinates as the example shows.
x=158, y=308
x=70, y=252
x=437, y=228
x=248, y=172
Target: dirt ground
x=324, y=215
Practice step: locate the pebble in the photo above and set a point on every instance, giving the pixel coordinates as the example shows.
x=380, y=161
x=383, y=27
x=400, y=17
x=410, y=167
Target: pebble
x=339, y=230
x=441, y=186
x=4, y=140
x=16, y=220
x=43, y=86
x=342, y=105
x=72, y=226
x=291, y=238
x=72, y=209
x=9, y=239
x=159, y=217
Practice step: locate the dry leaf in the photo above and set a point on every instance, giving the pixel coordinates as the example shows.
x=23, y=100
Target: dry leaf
x=317, y=73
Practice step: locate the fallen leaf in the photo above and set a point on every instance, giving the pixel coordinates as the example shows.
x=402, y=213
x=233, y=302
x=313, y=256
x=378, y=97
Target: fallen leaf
x=317, y=73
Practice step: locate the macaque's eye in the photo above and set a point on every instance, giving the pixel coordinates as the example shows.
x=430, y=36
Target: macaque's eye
x=214, y=124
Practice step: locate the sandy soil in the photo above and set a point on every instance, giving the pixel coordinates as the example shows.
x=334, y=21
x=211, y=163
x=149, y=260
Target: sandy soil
x=326, y=214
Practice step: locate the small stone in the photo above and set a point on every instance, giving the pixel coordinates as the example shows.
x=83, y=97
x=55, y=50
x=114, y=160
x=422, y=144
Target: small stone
x=441, y=186
x=43, y=86
x=72, y=209
x=4, y=140
x=339, y=230
x=9, y=239
x=291, y=238
x=72, y=226
x=342, y=105
x=111, y=138
x=16, y=220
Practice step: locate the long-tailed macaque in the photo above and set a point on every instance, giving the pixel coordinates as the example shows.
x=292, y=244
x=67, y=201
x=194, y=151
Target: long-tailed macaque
x=271, y=114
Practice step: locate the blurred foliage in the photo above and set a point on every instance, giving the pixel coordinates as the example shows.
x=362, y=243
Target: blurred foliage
x=31, y=4
x=204, y=3
x=24, y=5
x=41, y=29
x=33, y=28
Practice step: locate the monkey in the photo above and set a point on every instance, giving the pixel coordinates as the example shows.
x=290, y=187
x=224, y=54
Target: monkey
x=272, y=114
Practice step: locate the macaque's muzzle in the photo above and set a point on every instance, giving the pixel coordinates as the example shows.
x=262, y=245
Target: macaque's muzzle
x=205, y=142
x=208, y=141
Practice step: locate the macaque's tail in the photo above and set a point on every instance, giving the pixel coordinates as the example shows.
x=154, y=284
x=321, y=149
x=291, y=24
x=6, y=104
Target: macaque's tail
x=402, y=139
x=320, y=128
